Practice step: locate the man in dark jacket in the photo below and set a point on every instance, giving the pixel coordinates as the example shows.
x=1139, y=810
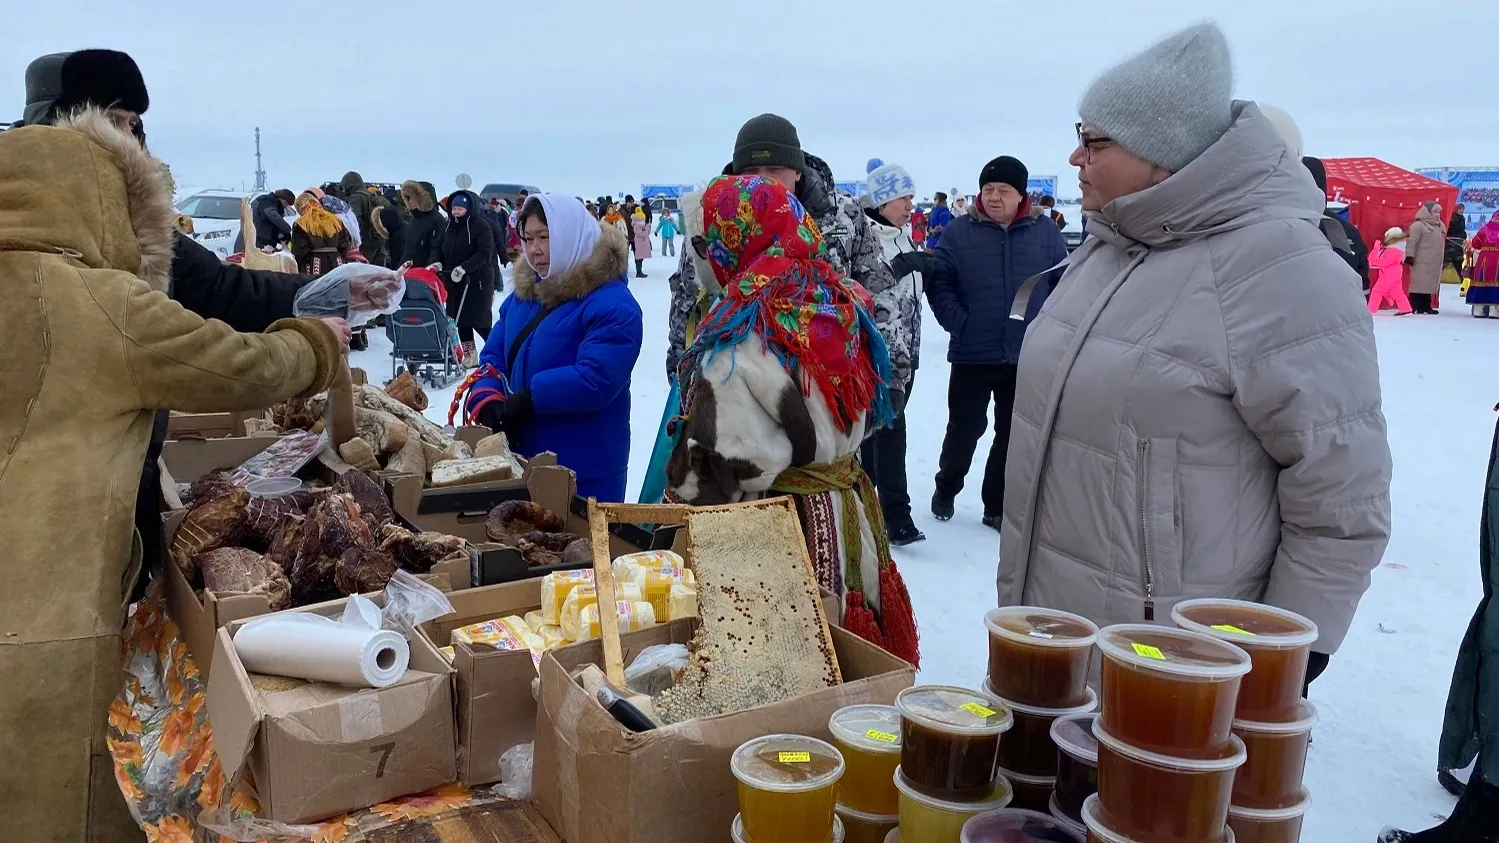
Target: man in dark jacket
x=391, y=225
x=498, y=218
x=268, y=212
x=424, y=230
x=465, y=257
x=1340, y=233
x=975, y=272
x=363, y=203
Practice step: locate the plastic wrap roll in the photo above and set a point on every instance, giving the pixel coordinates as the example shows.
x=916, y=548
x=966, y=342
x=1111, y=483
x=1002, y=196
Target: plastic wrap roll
x=318, y=649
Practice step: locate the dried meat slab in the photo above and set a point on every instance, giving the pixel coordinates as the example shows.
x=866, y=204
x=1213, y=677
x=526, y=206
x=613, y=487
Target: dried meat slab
x=762, y=638
x=216, y=522
x=237, y=570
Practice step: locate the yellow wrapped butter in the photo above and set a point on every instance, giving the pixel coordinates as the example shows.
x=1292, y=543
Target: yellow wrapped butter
x=682, y=602
x=552, y=637
x=508, y=633
x=554, y=591
x=535, y=621
x=633, y=615
x=632, y=566
x=583, y=597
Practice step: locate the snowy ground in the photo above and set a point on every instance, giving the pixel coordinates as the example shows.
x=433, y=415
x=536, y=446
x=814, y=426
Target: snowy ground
x=1382, y=699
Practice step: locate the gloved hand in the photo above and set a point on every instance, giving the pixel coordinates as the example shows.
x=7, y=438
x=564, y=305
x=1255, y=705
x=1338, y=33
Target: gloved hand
x=492, y=415
x=457, y=274
x=906, y=263
x=518, y=412
x=1410, y=261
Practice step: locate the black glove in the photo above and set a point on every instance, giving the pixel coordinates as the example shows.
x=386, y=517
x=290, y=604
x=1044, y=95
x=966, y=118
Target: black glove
x=906, y=263
x=517, y=412
x=492, y=415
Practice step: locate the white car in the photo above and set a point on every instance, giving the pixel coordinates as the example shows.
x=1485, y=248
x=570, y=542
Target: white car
x=216, y=220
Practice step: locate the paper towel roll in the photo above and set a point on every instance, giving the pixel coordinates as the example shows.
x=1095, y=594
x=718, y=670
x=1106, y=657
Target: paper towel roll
x=319, y=649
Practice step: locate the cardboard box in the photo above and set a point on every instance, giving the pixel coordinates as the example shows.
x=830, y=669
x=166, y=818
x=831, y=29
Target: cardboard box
x=595, y=782
x=461, y=511
x=199, y=616
x=319, y=749
x=209, y=425
x=494, y=704
x=411, y=497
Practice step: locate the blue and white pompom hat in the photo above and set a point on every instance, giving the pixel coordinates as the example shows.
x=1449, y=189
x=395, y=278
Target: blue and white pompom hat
x=888, y=182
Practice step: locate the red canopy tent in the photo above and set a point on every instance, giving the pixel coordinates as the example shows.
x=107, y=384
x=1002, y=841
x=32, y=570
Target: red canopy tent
x=1380, y=195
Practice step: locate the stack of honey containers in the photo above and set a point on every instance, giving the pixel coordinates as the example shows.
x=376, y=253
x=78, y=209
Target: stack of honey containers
x=1202, y=732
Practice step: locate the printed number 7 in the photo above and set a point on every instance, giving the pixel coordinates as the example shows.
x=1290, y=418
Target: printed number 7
x=385, y=749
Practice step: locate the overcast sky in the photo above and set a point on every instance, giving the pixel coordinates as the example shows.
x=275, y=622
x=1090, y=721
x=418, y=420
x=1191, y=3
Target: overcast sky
x=593, y=96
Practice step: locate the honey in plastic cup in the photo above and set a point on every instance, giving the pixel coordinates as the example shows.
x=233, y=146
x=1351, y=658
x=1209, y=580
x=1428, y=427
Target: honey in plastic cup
x=1278, y=826
x=1075, y=824
x=1156, y=797
x=859, y=827
x=950, y=740
x=1100, y=832
x=1271, y=778
x=786, y=788
x=736, y=831
x=868, y=736
x=927, y=819
x=1027, y=748
x=1015, y=825
x=1077, y=764
x=1039, y=657
x=1279, y=644
x=1169, y=691
x=1032, y=793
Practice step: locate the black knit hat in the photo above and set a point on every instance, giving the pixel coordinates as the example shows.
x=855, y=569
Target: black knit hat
x=1006, y=170
x=286, y=196
x=61, y=82
x=768, y=141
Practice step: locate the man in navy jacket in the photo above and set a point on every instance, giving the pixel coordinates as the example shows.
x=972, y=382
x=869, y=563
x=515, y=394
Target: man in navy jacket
x=981, y=262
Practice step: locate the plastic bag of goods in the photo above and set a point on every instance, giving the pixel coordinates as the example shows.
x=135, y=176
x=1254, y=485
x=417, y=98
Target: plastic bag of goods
x=355, y=292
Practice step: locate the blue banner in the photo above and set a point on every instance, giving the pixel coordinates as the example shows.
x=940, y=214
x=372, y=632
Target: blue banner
x=1039, y=186
x=1477, y=191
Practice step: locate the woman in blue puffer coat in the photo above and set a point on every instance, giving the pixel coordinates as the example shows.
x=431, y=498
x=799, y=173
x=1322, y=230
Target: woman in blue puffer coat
x=554, y=374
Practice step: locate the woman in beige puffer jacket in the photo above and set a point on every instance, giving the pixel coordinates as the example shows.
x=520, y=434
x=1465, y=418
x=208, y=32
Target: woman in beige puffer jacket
x=1423, y=253
x=1197, y=411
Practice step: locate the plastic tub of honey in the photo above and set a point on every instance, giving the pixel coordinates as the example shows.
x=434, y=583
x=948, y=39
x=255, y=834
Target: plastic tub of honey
x=859, y=827
x=1278, y=826
x=926, y=819
x=1028, y=748
x=1014, y=825
x=1100, y=832
x=1169, y=691
x=949, y=740
x=1076, y=824
x=1039, y=656
x=1077, y=763
x=1279, y=643
x=737, y=831
x=1032, y=793
x=869, y=738
x=1271, y=778
x=786, y=788
x=1156, y=797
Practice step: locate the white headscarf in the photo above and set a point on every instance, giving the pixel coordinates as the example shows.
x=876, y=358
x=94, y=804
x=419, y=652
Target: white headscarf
x=572, y=230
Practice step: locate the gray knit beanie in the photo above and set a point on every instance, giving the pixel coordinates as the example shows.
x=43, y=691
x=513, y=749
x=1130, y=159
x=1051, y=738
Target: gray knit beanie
x=1169, y=103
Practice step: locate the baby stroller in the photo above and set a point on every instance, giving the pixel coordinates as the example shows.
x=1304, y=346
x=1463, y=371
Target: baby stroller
x=422, y=337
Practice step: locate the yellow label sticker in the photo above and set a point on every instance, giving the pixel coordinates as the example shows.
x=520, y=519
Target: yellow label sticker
x=886, y=737
x=975, y=708
x=795, y=757
x=1228, y=627
x=1149, y=652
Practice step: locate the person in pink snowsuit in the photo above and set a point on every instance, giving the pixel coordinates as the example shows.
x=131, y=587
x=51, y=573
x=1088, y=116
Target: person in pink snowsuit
x=1388, y=260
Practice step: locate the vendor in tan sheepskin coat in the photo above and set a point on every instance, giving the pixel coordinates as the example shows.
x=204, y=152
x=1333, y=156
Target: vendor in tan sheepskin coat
x=93, y=348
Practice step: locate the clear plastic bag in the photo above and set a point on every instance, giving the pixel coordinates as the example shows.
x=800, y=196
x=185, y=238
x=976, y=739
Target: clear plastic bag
x=354, y=292
x=409, y=603
x=516, y=767
x=656, y=668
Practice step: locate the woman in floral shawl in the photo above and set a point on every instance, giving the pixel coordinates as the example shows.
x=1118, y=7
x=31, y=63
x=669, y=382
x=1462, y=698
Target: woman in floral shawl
x=786, y=374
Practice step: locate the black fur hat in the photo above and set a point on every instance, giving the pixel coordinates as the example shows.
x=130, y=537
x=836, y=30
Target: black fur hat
x=61, y=82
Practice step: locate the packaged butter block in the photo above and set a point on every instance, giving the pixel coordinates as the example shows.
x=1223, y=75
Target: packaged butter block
x=633, y=615
x=552, y=637
x=535, y=621
x=682, y=603
x=584, y=596
x=508, y=633
x=632, y=566
x=447, y=653
x=554, y=591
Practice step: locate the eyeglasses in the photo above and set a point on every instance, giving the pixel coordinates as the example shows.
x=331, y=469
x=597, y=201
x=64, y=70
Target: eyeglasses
x=1090, y=143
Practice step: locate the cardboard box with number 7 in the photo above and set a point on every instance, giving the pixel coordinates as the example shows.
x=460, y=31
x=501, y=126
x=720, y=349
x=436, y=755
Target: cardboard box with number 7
x=317, y=750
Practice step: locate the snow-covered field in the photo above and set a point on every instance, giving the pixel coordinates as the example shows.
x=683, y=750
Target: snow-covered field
x=1374, y=758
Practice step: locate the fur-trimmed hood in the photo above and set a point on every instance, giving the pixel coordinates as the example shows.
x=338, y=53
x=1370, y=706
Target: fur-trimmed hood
x=416, y=197
x=610, y=260
x=85, y=189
